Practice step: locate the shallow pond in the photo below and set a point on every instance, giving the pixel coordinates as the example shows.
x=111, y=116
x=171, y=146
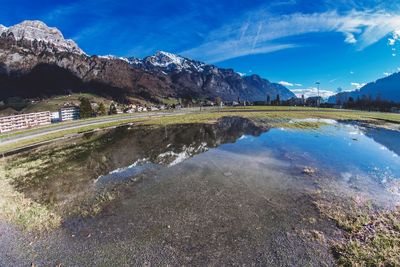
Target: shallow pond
x=224, y=193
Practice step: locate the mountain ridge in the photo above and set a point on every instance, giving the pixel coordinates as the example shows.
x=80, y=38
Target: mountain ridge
x=386, y=88
x=29, y=49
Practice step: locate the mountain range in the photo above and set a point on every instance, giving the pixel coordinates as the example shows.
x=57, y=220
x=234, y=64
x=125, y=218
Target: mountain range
x=37, y=61
x=387, y=88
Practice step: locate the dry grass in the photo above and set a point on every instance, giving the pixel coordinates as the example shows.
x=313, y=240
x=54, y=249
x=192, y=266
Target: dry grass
x=18, y=209
x=372, y=238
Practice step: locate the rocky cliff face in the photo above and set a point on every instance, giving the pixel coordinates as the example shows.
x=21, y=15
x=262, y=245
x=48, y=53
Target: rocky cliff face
x=200, y=79
x=34, y=64
x=36, y=60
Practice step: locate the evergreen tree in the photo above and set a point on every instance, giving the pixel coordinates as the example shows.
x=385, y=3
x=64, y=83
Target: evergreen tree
x=218, y=101
x=86, y=110
x=113, y=109
x=102, y=109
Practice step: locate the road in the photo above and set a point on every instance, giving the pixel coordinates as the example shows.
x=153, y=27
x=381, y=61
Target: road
x=33, y=133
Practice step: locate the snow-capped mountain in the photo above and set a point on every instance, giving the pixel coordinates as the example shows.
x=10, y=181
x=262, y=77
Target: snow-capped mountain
x=201, y=78
x=168, y=62
x=36, y=60
x=34, y=30
x=3, y=28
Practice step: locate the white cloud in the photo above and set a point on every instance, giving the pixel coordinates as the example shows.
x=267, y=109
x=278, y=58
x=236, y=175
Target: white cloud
x=395, y=38
x=350, y=39
x=351, y=72
x=357, y=85
x=262, y=32
x=387, y=73
x=312, y=91
x=286, y=83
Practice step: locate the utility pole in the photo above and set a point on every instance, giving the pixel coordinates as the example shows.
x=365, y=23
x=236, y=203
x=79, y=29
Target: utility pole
x=318, y=101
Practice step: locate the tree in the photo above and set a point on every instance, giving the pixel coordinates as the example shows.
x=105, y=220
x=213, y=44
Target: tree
x=16, y=103
x=278, y=99
x=218, y=101
x=102, y=109
x=268, y=100
x=187, y=101
x=113, y=109
x=86, y=110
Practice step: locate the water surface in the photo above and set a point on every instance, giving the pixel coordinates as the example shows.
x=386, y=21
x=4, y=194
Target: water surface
x=209, y=194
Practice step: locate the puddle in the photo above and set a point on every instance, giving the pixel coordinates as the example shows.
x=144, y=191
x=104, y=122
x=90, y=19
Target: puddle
x=210, y=194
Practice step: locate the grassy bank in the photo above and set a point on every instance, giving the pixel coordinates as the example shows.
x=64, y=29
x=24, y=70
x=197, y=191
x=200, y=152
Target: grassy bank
x=25, y=174
x=371, y=237
x=22, y=211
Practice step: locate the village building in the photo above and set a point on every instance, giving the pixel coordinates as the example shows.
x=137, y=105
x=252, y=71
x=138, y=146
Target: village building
x=24, y=121
x=55, y=117
x=68, y=113
x=314, y=101
x=395, y=110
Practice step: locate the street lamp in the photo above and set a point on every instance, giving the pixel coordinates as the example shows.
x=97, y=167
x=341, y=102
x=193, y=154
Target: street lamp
x=318, y=83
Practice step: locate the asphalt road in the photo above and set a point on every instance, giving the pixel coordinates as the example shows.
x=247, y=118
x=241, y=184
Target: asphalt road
x=33, y=133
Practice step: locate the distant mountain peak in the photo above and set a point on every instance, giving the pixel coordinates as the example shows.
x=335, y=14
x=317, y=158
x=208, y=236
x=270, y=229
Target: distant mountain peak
x=165, y=59
x=3, y=28
x=36, y=30
x=168, y=62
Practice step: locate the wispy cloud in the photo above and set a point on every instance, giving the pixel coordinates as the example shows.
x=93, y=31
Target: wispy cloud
x=289, y=84
x=263, y=32
x=312, y=91
x=121, y=28
x=357, y=85
x=395, y=38
x=334, y=80
x=286, y=83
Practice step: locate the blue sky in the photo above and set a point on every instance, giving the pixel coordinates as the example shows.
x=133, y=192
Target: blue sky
x=297, y=42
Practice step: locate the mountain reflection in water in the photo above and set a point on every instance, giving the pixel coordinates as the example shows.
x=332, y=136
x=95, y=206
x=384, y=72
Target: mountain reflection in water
x=126, y=151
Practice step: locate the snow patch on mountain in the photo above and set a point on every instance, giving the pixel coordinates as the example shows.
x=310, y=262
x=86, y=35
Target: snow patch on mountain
x=3, y=28
x=112, y=57
x=168, y=62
